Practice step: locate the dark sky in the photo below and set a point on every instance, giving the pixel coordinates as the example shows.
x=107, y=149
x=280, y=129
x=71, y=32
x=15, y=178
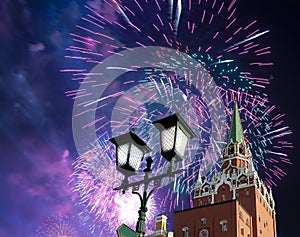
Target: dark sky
x=35, y=115
x=282, y=18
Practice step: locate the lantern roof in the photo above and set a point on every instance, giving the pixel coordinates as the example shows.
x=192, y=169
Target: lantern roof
x=131, y=137
x=174, y=120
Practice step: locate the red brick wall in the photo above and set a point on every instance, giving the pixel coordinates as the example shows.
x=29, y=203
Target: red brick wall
x=214, y=214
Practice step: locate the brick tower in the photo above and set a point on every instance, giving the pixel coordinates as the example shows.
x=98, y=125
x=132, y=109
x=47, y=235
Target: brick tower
x=234, y=202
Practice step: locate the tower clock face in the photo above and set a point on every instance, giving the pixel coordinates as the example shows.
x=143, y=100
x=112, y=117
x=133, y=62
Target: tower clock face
x=203, y=233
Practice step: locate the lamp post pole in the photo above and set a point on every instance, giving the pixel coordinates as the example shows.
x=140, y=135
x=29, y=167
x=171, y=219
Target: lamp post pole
x=144, y=197
x=141, y=224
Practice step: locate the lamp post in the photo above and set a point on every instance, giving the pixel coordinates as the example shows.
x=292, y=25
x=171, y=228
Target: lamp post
x=130, y=150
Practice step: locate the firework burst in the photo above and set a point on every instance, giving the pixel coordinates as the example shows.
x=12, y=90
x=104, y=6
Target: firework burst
x=228, y=56
x=60, y=227
x=94, y=178
x=234, y=52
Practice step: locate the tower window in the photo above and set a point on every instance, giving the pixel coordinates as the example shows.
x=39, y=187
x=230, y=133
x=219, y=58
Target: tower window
x=185, y=231
x=242, y=179
x=241, y=149
x=241, y=215
x=206, y=188
x=230, y=150
x=203, y=220
x=247, y=222
x=224, y=226
x=203, y=233
x=223, y=197
x=242, y=231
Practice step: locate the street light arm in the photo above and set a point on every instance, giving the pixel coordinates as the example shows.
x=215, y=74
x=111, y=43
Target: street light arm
x=140, y=196
x=126, y=186
x=144, y=199
x=150, y=194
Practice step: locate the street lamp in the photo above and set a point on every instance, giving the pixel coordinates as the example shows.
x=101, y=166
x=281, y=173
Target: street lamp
x=130, y=149
x=174, y=136
x=130, y=152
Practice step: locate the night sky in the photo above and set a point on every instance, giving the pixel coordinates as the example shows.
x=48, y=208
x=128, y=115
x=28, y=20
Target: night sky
x=36, y=141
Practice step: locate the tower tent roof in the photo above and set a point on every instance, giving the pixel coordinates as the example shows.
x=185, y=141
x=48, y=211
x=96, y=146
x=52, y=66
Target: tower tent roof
x=236, y=130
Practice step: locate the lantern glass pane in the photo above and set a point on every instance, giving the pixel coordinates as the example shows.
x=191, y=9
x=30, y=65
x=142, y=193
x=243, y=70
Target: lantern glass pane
x=136, y=156
x=167, y=139
x=122, y=154
x=181, y=142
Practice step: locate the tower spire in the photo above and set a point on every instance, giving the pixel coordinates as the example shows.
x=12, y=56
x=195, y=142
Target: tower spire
x=236, y=130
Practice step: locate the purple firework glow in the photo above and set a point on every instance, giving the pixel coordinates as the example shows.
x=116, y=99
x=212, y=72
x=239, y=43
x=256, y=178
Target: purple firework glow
x=41, y=187
x=60, y=227
x=94, y=179
x=232, y=54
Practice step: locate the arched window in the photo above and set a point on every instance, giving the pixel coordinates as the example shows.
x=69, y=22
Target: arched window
x=242, y=149
x=185, y=231
x=241, y=215
x=242, y=230
x=209, y=200
x=242, y=179
x=203, y=233
x=224, y=225
x=230, y=150
x=206, y=188
x=247, y=222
